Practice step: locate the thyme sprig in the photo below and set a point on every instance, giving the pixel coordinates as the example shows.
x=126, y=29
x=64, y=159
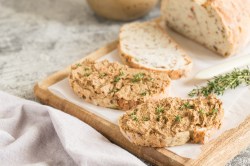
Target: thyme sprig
x=218, y=85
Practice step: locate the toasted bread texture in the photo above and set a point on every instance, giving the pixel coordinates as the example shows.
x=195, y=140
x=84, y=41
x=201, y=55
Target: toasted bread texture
x=148, y=46
x=172, y=121
x=117, y=86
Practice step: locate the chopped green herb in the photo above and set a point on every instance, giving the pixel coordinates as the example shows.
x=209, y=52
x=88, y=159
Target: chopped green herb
x=121, y=73
x=134, y=112
x=114, y=90
x=215, y=111
x=87, y=74
x=201, y=111
x=86, y=69
x=133, y=115
x=159, y=109
x=102, y=75
x=143, y=93
x=145, y=118
x=187, y=106
x=137, y=77
x=178, y=118
x=78, y=65
x=118, y=77
x=150, y=79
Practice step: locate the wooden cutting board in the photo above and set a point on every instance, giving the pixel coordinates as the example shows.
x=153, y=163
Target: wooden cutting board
x=217, y=152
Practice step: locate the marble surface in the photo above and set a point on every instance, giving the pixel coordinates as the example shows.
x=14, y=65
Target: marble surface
x=38, y=38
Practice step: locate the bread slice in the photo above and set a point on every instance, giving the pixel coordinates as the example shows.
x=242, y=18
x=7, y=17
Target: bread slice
x=221, y=25
x=146, y=45
x=172, y=121
x=117, y=86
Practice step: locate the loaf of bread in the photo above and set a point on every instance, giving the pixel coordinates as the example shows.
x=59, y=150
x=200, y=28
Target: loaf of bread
x=117, y=86
x=146, y=45
x=172, y=121
x=221, y=25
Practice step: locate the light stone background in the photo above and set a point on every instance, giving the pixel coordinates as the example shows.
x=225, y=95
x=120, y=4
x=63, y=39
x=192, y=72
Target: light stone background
x=39, y=37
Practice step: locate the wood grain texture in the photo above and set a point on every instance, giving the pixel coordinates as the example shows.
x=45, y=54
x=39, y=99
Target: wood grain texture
x=217, y=152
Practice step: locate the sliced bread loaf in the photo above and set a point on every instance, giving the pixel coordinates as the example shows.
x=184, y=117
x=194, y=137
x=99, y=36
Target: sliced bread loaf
x=172, y=121
x=147, y=46
x=115, y=85
x=221, y=25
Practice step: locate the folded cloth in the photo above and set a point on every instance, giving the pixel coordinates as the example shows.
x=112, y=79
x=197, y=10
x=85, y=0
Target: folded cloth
x=33, y=134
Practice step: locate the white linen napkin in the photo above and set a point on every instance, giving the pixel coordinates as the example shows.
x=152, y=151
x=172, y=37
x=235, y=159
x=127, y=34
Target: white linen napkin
x=33, y=134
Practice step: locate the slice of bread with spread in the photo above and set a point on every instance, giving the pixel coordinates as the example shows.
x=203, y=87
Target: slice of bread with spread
x=146, y=45
x=172, y=121
x=117, y=86
x=221, y=25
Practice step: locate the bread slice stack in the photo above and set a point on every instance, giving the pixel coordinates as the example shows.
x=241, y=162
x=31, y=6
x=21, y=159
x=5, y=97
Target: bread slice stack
x=116, y=86
x=172, y=121
x=147, y=46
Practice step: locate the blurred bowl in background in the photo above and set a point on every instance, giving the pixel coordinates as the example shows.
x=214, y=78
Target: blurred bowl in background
x=121, y=10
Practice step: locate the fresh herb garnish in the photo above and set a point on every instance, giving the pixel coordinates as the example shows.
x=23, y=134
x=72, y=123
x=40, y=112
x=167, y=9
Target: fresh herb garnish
x=201, y=111
x=187, y=106
x=87, y=74
x=118, y=77
x=121, y=73
x=102, y=75
x=150, y=79
x=215, y=111
x=137, y=77
x=86, y=69
x=133, y=115
x=218, y=85
x=178, y=118
x=145, y=118
x=159, y=109
x=78, y=65
x=144, y=93
x=114, y=90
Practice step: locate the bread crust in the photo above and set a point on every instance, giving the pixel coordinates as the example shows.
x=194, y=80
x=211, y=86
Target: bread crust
x=116, y=86
x=234, y=17
x=173, y=74
x=172, y=122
